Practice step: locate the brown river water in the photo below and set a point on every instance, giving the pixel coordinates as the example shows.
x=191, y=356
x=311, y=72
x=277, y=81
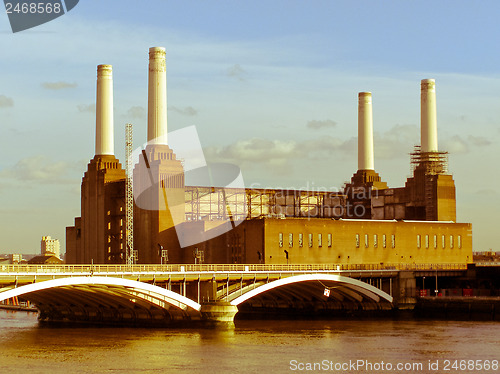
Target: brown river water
x=268, y=346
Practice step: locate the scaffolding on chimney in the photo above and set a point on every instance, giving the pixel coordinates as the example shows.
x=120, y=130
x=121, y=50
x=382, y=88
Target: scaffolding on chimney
x=432, y=162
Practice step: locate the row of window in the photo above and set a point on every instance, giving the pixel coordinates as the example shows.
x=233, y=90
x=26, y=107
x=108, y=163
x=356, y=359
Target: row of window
x=310, y=240
x=375, y=241
x=451, y=240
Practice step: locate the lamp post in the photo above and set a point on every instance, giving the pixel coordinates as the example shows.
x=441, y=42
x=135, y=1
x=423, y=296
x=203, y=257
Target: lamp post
x=436, y=290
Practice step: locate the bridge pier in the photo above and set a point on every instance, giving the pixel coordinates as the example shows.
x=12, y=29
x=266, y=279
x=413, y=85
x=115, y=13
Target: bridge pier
x=218, y=312
x=405, y=290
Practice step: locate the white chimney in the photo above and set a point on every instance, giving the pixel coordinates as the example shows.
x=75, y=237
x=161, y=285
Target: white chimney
x=157, y=97
x=104, y=142
x=365, y=132
x=428, y=119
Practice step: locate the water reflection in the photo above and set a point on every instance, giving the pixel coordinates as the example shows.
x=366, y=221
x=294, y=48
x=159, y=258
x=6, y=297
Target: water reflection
x=249, y=346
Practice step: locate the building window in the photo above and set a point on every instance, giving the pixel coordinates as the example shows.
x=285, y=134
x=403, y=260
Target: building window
x=121, y=221
x=384, y=241
x=443, y=240
x=109, y=225
x=280, y=238
x=435, y=241
x=375, y=241
x=301, y=240
x=109, y=212
x=419, y=241
x=451, y=241
x=426, y=241
x=329, y=240
x=357, y=240
x=290, y=240
x=320, y=240
x=367, y=241
x=459, y=241
x=393, y=240
x=310, y=240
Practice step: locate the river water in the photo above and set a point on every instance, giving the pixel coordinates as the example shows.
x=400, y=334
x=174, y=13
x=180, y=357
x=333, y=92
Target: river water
x=269, y=346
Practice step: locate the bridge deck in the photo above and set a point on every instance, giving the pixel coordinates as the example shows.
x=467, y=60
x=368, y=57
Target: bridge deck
x=175, y=268
x=161, y=291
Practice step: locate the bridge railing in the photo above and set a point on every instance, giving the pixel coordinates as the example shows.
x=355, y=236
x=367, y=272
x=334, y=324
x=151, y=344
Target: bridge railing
x=181, y=268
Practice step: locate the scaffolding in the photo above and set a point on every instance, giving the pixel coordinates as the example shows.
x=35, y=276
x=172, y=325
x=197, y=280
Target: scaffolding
x=129, y=196
x=222, y=203
x=431, y=162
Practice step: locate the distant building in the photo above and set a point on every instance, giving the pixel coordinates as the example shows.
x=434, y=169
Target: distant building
x=16, y=258
x=50, y=246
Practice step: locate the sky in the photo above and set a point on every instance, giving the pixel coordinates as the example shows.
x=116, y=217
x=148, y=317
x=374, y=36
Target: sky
x=270, y=85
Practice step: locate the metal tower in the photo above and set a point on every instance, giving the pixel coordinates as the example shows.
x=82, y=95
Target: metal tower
x=129, y=195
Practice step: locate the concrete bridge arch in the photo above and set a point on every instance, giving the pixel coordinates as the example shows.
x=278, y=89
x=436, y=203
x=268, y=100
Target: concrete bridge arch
x=302, y=288
x=105, y=300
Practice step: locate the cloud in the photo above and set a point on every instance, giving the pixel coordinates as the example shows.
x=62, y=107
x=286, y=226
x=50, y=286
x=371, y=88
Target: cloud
x=257, y=152
x=263, y=154
x=86, y=108
x=187, y=111
x=397, y=142
x=458, y=144
x=237, y=72
x=478, y=141
x=136, y=112
x=254, y=150
x=42, y=170
x=58, y=85
x=316, y=125
x=6, y=102
x=455, y=145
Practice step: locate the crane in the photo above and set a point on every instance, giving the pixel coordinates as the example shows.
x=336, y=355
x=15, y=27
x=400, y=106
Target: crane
x=129, y=196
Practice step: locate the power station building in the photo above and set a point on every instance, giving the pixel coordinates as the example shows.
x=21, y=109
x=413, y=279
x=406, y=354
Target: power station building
x=366, y=223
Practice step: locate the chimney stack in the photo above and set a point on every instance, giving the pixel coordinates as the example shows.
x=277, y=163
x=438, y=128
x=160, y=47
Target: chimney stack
x=104, y=143
x=428, y=120
x=157, y=97
x=365, y=132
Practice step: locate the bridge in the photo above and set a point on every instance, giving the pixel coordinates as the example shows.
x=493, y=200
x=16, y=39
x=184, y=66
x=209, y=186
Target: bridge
x=165, y=294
